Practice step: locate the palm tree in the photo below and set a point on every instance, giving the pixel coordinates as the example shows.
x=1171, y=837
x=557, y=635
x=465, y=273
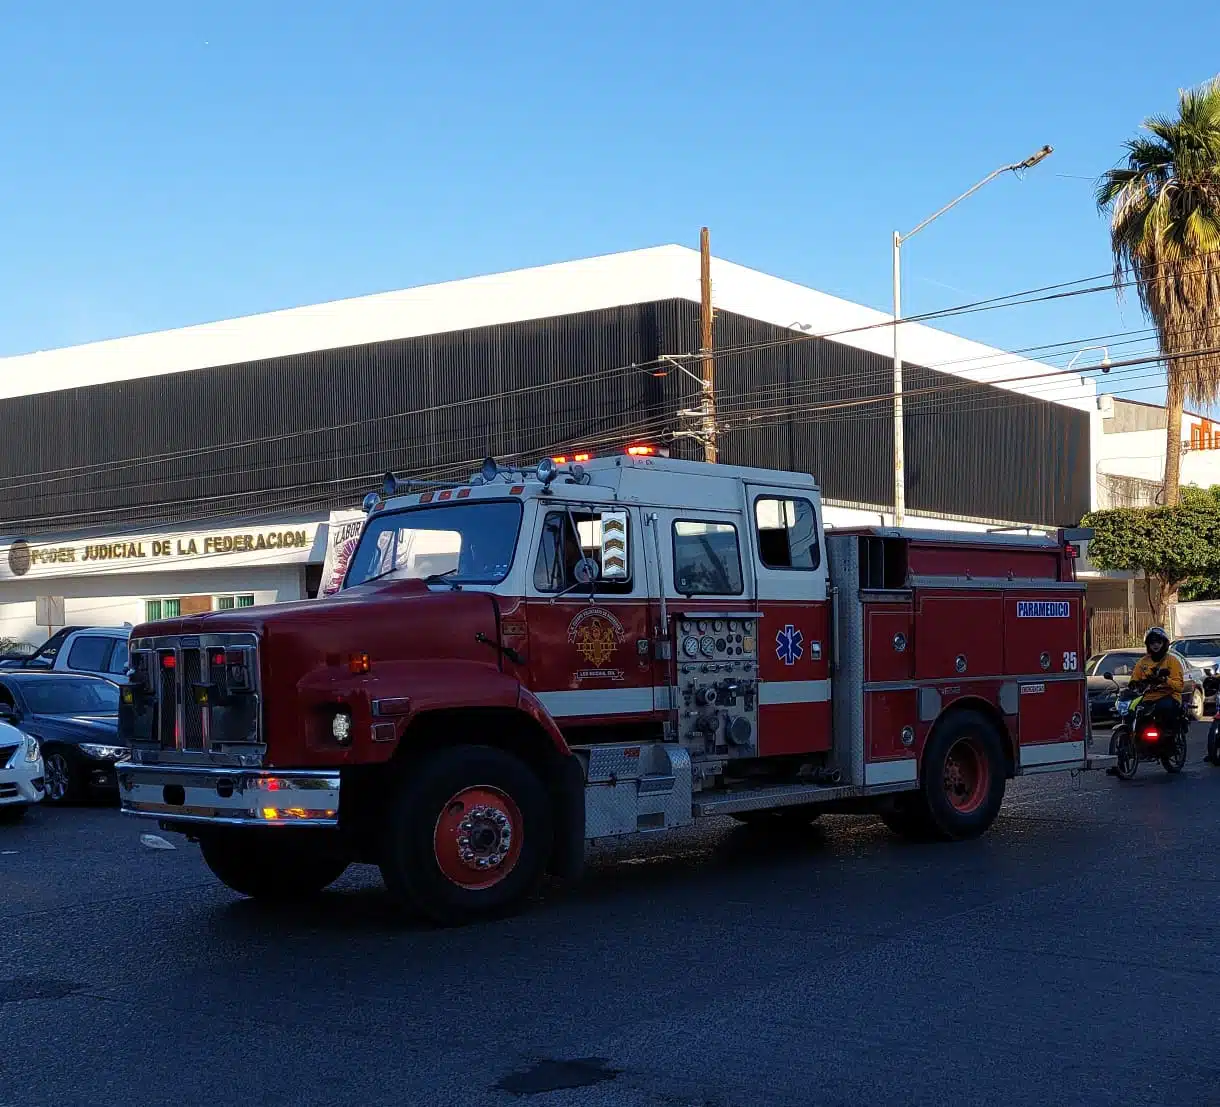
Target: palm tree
x=1164, y=211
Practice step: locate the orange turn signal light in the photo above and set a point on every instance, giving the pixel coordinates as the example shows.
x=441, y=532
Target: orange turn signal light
x=359, y=663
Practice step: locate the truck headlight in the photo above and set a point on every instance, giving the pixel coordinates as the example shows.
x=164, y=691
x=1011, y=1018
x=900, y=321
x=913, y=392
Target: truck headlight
x=341, y=728
x=32, y=750
x=102, y=753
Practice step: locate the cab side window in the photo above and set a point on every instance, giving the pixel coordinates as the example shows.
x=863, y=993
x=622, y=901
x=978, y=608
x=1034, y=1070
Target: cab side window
x=787, y=533
x=90, y=653
x=562, y=548
x=707, y=559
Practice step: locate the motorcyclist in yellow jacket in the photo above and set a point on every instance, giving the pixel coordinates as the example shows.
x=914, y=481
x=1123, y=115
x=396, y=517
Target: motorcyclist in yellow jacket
x=1161, y=673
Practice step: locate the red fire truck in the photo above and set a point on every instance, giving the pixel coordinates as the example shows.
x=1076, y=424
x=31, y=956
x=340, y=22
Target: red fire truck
x=533, y=660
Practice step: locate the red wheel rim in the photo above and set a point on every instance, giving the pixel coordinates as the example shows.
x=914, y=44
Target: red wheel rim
x=967, y=775
x=478, y=837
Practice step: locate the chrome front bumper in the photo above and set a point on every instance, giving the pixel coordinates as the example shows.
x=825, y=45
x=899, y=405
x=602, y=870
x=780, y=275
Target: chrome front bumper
x=230, y=797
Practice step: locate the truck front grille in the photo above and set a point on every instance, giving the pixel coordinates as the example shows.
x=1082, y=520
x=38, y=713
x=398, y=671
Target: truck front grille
x=185, y=704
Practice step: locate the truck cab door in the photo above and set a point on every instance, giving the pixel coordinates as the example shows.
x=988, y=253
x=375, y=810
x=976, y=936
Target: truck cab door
x=589, y=613
x=784, y=525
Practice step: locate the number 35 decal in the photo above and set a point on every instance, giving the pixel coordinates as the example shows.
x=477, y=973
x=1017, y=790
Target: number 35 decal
x=1069, y=662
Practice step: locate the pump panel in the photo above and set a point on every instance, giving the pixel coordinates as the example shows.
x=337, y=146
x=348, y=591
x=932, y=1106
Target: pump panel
x=717, y=662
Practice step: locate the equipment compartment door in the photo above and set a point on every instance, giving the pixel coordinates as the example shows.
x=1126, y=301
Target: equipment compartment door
x=793, y=647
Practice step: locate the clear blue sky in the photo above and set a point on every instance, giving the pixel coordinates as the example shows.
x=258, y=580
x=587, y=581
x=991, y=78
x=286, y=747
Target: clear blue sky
x=164, y=167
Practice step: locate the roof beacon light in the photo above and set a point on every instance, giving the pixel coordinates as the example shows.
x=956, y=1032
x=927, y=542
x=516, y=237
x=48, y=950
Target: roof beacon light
x=560, y=460
x=371, y=503
x=581, y=457
x=642, y=451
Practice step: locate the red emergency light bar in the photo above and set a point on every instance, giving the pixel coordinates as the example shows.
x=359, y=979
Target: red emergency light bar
x=642, y=451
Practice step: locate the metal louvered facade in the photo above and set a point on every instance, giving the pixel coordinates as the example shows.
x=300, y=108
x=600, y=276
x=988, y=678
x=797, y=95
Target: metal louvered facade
x=316, y=430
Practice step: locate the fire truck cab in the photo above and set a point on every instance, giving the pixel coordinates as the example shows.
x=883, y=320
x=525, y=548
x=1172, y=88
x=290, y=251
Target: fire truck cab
x=532, y=660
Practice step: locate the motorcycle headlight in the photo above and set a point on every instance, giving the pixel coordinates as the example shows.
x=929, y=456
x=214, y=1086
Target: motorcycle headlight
x=32, y=749
x=103, y=753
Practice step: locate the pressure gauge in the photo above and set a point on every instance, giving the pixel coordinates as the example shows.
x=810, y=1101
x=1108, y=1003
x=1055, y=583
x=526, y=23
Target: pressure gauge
x=702, y=626
x=732, y=624
x=690, y=646
x=718, y=625
x=707, y=645
x=686, y=627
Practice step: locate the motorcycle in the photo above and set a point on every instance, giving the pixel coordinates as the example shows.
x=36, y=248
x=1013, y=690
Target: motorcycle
x=1141, y=737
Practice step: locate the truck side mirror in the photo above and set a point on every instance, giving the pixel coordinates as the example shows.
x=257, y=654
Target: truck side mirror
x=1108, y=675
x=614, y=553
x=8, y=713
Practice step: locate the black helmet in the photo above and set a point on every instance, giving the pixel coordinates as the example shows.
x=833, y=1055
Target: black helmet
x=1157, y=642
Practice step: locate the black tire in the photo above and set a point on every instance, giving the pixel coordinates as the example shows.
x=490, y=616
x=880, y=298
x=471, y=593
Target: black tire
x=1213, y=743
x=1175, y=762
x=962, y=778
x=62, y=772
x=779, y=817
x=274, y=865
x=909, y=818
x=13, y=812
x=421, y=826
x=1124, y=748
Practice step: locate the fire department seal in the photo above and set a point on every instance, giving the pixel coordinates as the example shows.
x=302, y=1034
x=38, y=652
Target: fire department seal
x=596, y=635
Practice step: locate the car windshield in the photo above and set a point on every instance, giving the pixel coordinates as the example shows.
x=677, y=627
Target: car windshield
x=70, y=696
x=466, y=543
x=1198, y=647
x=1119, y=664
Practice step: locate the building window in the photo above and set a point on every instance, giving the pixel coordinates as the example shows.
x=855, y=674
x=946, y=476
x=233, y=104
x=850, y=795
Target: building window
x=706, y=559
x=787, y=533
x=1204, y=436
x=162, y=609
x=227, y=603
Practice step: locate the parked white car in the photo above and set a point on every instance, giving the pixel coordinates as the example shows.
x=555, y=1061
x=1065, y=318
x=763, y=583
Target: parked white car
x=22, y=779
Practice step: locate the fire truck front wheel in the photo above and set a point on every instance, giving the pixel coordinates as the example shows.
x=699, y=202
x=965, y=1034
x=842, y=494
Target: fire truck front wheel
x=272, y=864
x=468, y=835
x=963, y=777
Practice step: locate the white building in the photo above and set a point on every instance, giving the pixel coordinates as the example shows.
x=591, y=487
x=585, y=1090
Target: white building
x=212, y=439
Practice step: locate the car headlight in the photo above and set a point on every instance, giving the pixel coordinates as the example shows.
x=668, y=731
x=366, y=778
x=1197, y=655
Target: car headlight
x=103, y=753
x=32, y=749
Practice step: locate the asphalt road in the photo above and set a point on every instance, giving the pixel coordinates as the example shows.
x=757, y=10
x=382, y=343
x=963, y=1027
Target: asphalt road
x=1062, y=959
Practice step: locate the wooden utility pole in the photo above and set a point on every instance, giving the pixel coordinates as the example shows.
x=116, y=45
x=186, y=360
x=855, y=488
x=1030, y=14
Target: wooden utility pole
x=709, y=369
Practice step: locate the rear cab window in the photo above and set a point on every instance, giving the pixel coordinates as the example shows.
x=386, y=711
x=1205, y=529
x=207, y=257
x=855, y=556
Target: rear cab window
x=707, y=558
x=787, y=532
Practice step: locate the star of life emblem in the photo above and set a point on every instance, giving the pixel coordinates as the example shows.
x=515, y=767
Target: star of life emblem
x=789, y=645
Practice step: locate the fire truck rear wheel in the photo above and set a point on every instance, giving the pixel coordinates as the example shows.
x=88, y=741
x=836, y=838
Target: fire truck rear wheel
x=468, y=835
x=963, y=776
x=271, y=864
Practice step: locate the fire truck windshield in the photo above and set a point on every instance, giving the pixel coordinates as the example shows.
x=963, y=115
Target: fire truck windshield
x=467, y=543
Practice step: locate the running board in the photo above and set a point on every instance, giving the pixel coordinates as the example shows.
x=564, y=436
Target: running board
x=788, y=795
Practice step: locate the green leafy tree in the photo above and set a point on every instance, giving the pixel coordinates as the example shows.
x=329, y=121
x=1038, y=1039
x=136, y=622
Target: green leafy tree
x=1164, y=212
x=1171, y=546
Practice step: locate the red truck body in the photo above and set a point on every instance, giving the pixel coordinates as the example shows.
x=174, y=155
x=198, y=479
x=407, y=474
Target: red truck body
x=527, y=662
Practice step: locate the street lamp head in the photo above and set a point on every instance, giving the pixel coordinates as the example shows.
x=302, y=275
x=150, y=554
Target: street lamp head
x=1033, y=159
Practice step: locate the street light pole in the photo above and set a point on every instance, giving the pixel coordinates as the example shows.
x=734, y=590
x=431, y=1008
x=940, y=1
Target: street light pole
x=899, y=239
